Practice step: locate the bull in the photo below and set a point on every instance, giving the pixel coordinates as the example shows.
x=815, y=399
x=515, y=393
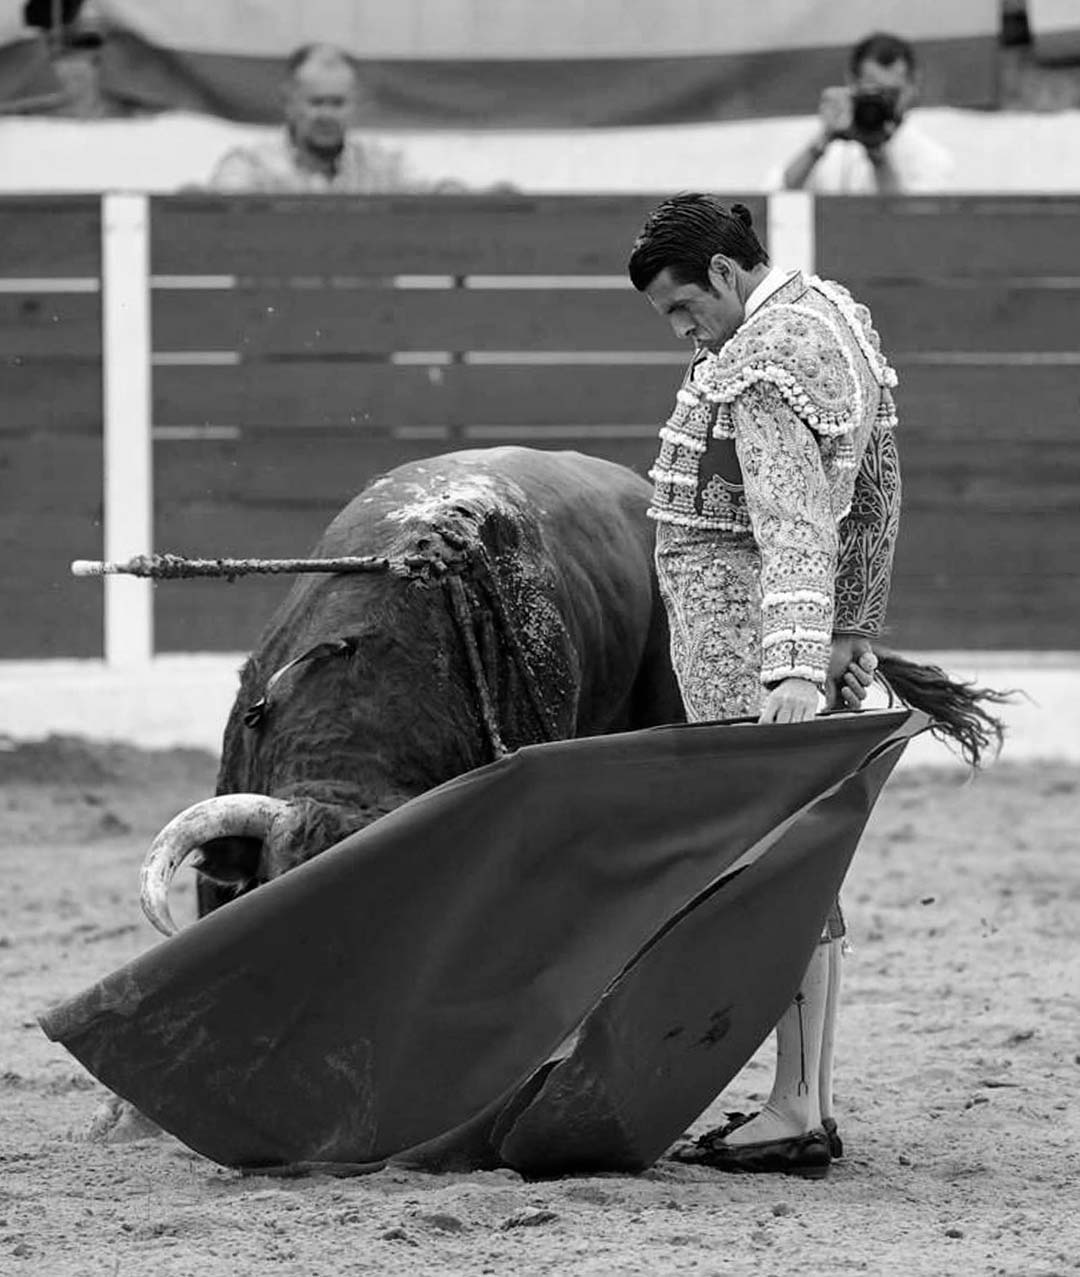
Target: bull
x=512, y=600
x=516, y=603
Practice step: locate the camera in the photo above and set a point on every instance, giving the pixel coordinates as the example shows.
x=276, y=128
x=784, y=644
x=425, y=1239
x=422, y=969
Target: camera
x=873, y=109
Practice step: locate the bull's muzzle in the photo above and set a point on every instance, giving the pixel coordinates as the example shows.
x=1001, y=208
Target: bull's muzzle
x=227, y=816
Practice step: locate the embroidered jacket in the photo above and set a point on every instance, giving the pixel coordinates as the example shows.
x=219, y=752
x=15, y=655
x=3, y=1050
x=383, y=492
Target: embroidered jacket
x=786, y=435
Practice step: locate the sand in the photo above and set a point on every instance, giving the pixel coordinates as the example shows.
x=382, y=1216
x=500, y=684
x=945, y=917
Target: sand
x=958, y=1066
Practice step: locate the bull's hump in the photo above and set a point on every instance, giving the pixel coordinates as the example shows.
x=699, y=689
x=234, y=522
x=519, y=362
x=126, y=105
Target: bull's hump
x=398, y=514
x=513, y=486
x=429, y=498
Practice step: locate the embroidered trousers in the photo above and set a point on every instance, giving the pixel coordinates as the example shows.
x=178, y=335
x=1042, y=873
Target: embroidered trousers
x=711, y=586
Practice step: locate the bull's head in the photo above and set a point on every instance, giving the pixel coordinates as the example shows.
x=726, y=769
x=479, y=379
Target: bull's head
x=232, y=816
x=241, y=840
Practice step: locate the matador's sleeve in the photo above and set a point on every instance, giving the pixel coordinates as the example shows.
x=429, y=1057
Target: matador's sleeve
x=868, y=538
x=791, y=512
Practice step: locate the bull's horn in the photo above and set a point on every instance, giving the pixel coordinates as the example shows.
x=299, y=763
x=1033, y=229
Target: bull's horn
x=227, y=816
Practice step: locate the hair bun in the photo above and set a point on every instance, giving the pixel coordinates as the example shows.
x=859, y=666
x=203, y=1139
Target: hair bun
x=743, y=214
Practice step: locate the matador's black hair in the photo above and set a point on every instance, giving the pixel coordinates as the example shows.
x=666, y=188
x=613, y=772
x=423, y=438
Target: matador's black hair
x=684, y=233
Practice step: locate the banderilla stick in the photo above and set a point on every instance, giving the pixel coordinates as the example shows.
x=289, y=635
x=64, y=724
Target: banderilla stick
x=164, y=567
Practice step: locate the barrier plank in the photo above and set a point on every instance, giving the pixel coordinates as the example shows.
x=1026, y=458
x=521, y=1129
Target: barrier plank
x=977, y=403
x=961, y=540
x=981, y=404
x=955, y=236
x=268, y=494
x=50, y=513
x=331, y=321
x=63, y=395
x=983, y=613
x=50, y=324
x=953, y=315
x=1008, y=477
x=272, y=494
x=969, y=315
x=382, y=235
x=50, y=237
x=327, y=393
x=971, y=570
x=910, y=316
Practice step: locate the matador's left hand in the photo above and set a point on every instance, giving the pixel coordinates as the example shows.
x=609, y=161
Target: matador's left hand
x=792, y=701
x=851, y=671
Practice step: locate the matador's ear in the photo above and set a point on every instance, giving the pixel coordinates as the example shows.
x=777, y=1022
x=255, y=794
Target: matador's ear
x=721, y=270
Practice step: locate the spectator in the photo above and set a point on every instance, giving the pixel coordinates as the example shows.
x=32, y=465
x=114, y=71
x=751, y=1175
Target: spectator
x=314, y=151
x=865, y=144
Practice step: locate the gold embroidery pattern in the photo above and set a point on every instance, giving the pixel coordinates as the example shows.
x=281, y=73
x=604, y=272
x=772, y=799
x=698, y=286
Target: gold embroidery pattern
x=711, y=592
x=791, y=506
x=805, y=393
x=868, y=534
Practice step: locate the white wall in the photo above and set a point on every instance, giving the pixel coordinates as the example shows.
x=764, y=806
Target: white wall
x=994, y=152
x=184, y=700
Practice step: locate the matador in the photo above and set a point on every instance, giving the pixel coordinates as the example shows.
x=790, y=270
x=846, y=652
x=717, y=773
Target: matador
x=776, y=500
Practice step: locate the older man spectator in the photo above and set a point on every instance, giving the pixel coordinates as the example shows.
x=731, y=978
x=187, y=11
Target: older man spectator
x=314, y=152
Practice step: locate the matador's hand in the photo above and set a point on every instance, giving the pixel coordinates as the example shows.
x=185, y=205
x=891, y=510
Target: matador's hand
x=851, y=671
x=792, y=701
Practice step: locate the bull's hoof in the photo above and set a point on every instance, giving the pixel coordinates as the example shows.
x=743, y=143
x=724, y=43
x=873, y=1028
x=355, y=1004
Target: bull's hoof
x=115, y=1121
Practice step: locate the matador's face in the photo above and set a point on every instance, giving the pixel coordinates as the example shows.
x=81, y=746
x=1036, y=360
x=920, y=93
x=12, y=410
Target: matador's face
x=705, y=316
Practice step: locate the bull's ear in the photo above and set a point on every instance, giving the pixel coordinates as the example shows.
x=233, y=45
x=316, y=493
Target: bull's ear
x=232, y=861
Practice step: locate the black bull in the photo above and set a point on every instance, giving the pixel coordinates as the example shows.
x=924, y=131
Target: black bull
x=518, y=604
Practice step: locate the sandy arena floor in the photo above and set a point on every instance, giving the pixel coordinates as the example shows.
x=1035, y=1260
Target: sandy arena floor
x=958, y=1068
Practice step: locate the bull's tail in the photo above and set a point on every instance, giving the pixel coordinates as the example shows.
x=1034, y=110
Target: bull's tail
x=958, y=710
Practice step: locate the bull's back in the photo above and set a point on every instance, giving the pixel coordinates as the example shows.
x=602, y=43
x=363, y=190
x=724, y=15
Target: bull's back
x=573, y=523
x=556, y=488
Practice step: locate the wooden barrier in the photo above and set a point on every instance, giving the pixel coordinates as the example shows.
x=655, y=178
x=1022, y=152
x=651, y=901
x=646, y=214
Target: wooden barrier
x=318, y=342
x=976, y=300
x=50, y=424
x=301, y=345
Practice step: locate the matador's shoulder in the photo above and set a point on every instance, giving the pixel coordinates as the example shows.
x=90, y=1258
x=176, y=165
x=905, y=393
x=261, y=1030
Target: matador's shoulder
x=814, y=344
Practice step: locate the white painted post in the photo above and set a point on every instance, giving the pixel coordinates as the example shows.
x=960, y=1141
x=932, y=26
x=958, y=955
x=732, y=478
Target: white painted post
x=791, y=231
x=125, y=317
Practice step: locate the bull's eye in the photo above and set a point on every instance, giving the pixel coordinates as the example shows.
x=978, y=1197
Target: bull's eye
x=255, y=715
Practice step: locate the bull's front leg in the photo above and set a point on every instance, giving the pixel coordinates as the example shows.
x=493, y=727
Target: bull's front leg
x=117, y=1121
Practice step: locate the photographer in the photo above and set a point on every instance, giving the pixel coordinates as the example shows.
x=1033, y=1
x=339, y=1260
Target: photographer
x=865, y=145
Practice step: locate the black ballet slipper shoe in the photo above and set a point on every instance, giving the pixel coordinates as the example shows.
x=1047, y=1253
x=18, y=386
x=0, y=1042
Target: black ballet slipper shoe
x=828, y=1125
x=836, y=1144
x=805, y=1155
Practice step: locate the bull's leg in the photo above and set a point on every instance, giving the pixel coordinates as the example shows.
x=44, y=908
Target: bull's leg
x=117, y=1121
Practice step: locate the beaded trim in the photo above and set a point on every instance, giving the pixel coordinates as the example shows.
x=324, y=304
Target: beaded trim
x=661, y=474
x=704, y=408
x=791, y=389
x=850, y=309
x=663, y=515
x=795, y=596
x=682, y=440
x=797, y=634
x=724, y=427
x=776, y=673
